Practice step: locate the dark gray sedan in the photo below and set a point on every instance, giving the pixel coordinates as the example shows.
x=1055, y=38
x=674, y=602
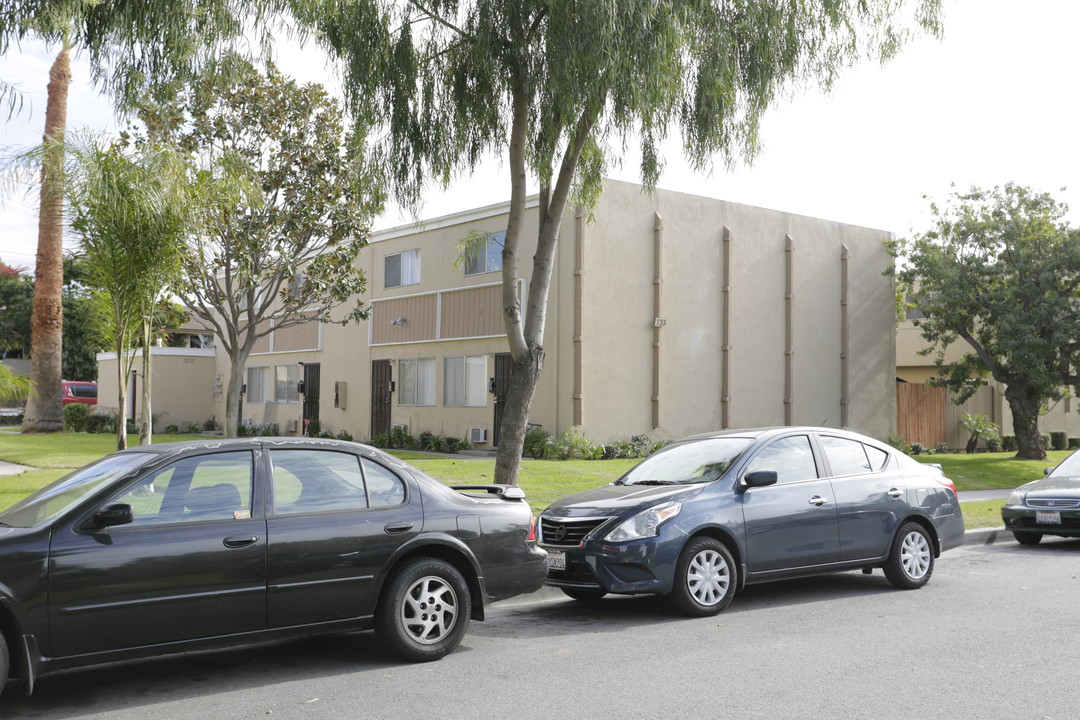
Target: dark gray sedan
x=177, y=546
x=1050, y=506
x=705, y=516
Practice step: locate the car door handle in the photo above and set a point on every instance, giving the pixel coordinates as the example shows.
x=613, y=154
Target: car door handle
x=239, y=541
x=818, y=500
x=895, y=492
x=396, y=528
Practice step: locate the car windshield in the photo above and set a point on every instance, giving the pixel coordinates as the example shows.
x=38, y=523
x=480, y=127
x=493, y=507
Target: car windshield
x=52, y=500
x=700, y=461
x=1069, y=467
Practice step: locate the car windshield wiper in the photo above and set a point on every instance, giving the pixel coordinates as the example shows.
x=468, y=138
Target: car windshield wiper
x=657, y=482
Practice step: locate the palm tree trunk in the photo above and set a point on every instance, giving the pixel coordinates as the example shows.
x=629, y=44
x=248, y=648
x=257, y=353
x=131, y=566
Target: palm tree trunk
x=44, y=409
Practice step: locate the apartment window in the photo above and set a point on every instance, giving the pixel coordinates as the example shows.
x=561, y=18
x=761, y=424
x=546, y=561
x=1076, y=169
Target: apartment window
x=486, y=257
x=464, y=381
x=416, y=376
x=403, y=268
x=286, y=384
x=258, y=385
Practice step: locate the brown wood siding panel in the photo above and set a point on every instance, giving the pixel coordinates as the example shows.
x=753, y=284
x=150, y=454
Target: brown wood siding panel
x=304, y=336
x=261, y=345
x=415, y=315
x=920, y=413
x=473, y=312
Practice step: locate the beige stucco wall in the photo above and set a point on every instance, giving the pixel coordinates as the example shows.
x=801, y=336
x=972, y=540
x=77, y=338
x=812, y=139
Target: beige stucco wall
x=618, y=333
x=183, y=385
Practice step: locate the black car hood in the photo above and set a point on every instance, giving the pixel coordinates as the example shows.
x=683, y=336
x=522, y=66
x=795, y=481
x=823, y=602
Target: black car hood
x=616, y=499
x=1055, y=486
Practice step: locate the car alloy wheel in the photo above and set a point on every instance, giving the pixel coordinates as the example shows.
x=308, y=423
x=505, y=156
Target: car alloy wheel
x=424, y=610
x=705, y=578
x=912, y=559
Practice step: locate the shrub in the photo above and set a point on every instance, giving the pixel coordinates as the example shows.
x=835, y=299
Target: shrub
x=1008, y=443
x=101, y=422
x=943, y=448
x=979, y=427
x=993, y=444
x=1046, y=441
x=345, y=435
x=536, y=442
x=401, y=440
x=573, y=445
x=917, y=449
x=1074, y=443
x=210, y=424
x=190, y=428
x=171, y=429
x=76, y=417
x=382, y=440
x=1058, y=440
x=453, y=445
x=898, y=442
x=313, y=428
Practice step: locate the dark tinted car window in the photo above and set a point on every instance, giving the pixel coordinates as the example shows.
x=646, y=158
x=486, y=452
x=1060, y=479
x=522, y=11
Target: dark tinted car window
x=84, y=391
x=846, y=457
x=204, y=487
x=791, y=458
x=384, y=487
x=316, y=480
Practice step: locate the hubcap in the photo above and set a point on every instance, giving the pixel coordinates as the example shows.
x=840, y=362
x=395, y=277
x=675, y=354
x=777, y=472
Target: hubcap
x=429, y=610
x=708, y=577
x=915, y=555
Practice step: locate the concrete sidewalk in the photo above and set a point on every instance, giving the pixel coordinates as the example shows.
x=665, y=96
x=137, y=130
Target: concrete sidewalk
x=7, y=468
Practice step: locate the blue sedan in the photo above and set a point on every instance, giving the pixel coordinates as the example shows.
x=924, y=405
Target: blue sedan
x=703, y=517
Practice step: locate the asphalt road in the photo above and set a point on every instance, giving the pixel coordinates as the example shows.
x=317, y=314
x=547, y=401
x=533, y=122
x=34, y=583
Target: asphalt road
x=996, y=634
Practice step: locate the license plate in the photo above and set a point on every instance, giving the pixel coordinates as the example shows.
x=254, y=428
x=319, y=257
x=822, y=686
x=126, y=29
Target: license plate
x=1049, y=517
x=556, y=560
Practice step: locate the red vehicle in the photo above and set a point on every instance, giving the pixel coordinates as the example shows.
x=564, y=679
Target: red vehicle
x=76, y=391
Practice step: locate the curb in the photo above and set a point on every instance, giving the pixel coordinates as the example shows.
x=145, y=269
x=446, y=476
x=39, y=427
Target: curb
x=987, y=536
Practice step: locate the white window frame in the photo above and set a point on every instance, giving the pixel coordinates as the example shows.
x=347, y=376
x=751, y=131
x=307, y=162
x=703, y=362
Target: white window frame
x=465, y=382
x=408, y=268
x=489, y=259
x=259, y=384
x=416, y=380
x=286, y=384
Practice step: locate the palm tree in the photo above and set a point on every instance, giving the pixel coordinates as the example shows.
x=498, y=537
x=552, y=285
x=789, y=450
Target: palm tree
x=131, y=46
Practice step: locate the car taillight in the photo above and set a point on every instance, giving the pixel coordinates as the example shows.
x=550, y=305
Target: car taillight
x=532, y=528
x=949, y=484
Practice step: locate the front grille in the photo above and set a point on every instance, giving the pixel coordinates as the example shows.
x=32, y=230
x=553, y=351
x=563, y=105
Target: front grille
x=578, y=573
x=558, y=532
x=1053, y=502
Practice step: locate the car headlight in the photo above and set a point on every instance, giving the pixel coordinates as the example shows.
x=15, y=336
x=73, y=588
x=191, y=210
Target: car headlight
x=645, y=523
x=1015, y=498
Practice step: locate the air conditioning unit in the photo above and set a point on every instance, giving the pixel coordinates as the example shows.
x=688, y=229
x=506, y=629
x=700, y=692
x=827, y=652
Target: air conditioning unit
x=400, y=426
x=247, y=422
x=478, y=435
x=292, y=425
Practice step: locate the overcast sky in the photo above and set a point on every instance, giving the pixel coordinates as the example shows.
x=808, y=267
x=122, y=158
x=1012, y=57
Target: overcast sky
x=994, y=101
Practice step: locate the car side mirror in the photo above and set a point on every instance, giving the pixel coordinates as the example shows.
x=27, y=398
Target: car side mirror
x=759, y=478
x=1049, y=470
x=114, y=514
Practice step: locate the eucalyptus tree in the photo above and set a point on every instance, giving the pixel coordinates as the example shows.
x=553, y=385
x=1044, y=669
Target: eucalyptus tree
x=999, y=273
x=131, y=211
x=560, y=87
x=286, y=198
x=129, y=45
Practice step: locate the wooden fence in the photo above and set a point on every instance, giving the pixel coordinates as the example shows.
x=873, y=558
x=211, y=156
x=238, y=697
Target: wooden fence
x=921, y=413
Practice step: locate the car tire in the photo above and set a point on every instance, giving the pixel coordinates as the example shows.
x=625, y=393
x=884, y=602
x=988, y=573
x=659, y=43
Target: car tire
x=911, y=561
x=424, y=610
x=705, y=578
x=1026, y=537
x=584, y=595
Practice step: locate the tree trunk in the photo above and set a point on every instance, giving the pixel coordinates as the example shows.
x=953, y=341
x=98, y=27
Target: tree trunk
x=146, y=425
x=523, y=379
x=44, y=408
x=237, y=359
x=122, y=374
x=1025, y=412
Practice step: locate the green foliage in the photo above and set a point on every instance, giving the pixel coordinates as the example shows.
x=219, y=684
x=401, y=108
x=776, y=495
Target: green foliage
x=979, y=427
x=998, y=271
x=573, y=445
x=172, y=429
x=917, y=449
x=313, y=428
x=1059, y=440
x=13, y=388
x=897, y=441
x=190, y=428
x=210, y=424
x=1008, y=443
x=1074, y=443
x=76, y=417
x=536, y=442
x=285, y=196
x=345, y=435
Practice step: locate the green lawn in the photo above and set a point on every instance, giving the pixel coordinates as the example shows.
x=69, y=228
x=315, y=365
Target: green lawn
x=544, y=481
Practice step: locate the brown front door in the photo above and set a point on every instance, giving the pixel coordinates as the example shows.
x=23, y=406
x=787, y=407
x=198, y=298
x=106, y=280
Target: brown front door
x=381, y=386
x=504, y=364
